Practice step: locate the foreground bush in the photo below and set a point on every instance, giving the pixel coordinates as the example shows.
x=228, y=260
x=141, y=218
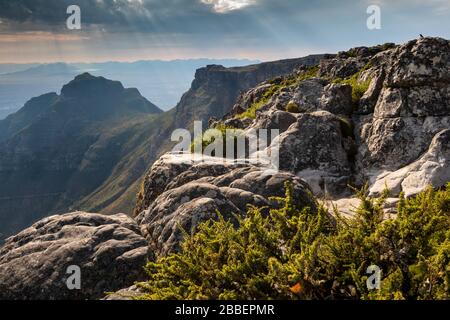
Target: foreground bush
x=294, y=253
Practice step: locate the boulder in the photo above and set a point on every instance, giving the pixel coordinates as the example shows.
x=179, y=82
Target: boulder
x=204, y=190
x=108, y=250
x=413, y=106
x=337, y=99
x=432, y=169
x=314, y=149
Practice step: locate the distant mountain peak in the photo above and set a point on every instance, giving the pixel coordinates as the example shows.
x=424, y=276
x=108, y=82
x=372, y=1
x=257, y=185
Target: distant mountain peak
x=88, y=85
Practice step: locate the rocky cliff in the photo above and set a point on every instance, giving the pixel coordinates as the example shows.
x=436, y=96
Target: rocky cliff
x=216, y=88
x=375, y=115
x=88, y=148
x=378, y=115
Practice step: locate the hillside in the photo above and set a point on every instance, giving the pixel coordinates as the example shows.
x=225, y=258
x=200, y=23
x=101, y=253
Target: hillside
x=59, y=148
x=162, y=82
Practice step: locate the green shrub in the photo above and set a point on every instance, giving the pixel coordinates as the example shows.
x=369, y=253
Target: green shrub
x=251, y=111
x=276, y=86
x=292, y=107
x=248, y=262
x=358, y=88
x=309, y=73
x=206, y=139
x=294, y=253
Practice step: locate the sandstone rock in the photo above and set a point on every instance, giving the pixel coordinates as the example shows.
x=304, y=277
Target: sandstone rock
x=205, y=189
x=419, y=62
x=342, y=67
x=274, y=119
x=432, y=169
x=308, y=93
x=109, y=251
x=393, y=143
x=126, y=294
x=412, y=107
x=337, y=99
x=315, y=143
x=182, y=209
x=406, y=104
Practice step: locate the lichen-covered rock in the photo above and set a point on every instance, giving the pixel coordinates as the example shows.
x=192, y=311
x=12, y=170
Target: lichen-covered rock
x=417, y=63
x=413, y=106
x=203, y=191
x=109, y=251
x=337, y=99
x=393, y=143
x=308, y=93
x=275, y=119
x=432, y=169
x=315, y=143
x=402, y=98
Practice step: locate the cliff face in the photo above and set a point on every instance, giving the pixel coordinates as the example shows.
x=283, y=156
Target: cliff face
x=216, y=88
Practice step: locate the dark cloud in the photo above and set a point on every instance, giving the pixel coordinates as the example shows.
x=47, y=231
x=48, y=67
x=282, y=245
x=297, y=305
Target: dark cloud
x=170, y=16
x=266, y=25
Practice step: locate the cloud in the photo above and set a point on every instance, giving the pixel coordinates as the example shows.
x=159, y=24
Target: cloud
x=222, y=28
x=40, y=36
x=224, y=6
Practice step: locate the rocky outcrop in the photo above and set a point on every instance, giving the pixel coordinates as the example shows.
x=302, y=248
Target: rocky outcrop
x=433, y=168
x=181, y=195
x=369, y=114
x=88, y=148
x=413, y=106
x=314, y=148
x=216, y=88
x=109, y=251
x=361, y=117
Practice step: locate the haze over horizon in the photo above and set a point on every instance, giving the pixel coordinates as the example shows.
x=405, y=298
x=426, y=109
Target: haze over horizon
x=133, y=30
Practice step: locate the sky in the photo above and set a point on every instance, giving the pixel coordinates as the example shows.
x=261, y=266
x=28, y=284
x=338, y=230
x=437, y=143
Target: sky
x=130, y=30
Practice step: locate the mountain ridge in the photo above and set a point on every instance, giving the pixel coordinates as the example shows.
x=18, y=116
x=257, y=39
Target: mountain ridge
x=58, y=147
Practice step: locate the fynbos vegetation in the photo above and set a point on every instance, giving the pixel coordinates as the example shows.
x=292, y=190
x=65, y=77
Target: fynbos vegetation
x=295, y=253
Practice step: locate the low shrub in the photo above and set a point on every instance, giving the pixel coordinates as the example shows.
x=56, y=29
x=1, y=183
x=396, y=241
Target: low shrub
x=292, y=107
x=358, y=88
x=294, y=253
x=276, y=86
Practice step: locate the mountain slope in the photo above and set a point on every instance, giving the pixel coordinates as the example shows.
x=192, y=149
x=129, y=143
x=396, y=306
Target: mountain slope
x=379, y=114
x=58, y=149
